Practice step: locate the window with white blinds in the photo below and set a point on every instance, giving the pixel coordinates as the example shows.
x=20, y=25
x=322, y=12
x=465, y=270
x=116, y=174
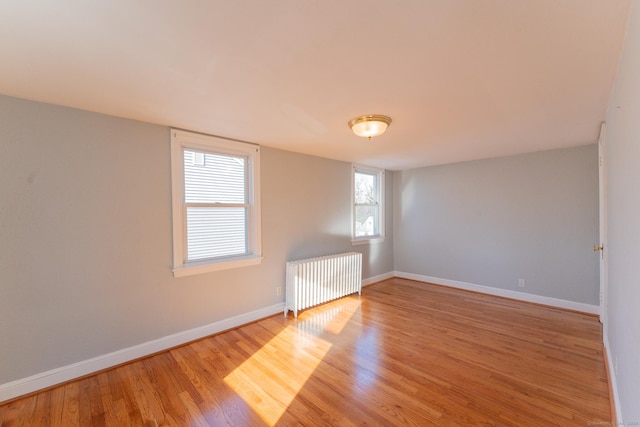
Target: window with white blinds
x=216, y=203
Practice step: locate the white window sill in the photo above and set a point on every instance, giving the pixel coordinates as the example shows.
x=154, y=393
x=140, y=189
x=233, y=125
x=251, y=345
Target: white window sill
x=367, y=240
x=208, y=266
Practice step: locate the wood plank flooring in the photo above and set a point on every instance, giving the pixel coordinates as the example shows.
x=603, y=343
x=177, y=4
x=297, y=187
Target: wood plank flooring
x=405, y=353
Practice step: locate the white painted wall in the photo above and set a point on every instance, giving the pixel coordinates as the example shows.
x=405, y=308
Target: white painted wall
x=85, y=237
x=491, y=222
x=623, y=157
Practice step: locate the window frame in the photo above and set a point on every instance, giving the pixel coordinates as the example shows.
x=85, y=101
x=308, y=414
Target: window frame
x=182, y=140
x=380, y=177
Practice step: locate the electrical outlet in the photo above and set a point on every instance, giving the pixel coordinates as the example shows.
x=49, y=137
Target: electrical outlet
x=278, y=291
x=521, y=283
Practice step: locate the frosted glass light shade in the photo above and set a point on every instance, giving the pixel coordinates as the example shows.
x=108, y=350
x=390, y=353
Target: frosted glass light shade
x=370, y=125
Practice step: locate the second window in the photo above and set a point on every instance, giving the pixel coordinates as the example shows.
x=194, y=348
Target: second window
x=368, y=204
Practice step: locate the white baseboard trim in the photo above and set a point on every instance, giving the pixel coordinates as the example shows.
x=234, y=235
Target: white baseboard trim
x=378, y=278
x=506, y=293
x=63, y=374
x=614, y=382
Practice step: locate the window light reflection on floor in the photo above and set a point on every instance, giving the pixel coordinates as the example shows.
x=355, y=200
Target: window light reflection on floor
x=272, y=377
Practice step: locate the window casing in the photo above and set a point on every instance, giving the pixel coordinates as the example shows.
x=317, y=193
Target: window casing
x=367, y=197
x=216, y=203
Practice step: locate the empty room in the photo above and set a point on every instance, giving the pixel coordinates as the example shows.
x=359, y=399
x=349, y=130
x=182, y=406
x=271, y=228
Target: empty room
x=320, y=213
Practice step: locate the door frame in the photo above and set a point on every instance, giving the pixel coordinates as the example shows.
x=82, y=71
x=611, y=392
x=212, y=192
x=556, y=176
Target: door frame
x=602, y=208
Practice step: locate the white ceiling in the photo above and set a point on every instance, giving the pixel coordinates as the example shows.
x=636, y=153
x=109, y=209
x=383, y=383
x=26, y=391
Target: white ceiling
x=462, y=79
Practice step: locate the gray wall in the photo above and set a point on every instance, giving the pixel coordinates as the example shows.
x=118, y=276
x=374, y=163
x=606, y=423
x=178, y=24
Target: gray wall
x=491, y=222
x=623, y=161
x=85, y=232
x=85, y=236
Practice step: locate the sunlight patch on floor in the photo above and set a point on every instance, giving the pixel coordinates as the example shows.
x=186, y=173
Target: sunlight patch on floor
x=273, y=376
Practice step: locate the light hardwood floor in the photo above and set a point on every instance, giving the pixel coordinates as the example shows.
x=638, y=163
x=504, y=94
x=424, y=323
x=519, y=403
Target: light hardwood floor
x=405, y=353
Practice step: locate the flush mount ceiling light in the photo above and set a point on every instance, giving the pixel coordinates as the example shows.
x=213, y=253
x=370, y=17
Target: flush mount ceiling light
x=370, y=125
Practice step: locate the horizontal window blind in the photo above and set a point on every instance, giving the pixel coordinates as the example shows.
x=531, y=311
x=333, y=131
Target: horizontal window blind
x=215, y=198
